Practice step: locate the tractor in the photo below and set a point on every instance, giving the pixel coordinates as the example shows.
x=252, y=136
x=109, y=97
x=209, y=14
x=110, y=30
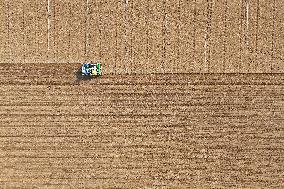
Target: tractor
x=91, y=69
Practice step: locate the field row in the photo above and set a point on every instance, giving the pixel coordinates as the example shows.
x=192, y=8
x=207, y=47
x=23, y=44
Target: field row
x=139, y=131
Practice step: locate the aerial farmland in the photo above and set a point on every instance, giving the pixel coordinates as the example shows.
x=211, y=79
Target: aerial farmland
x=190, y=94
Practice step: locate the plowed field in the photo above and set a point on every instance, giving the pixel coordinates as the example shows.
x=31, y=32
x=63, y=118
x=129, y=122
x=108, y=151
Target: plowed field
x=139, y=131
x=152, y=120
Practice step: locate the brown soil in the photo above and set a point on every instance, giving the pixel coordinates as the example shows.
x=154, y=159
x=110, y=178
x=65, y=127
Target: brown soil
x=147, y=36
x=196, y=128
x=139, y=131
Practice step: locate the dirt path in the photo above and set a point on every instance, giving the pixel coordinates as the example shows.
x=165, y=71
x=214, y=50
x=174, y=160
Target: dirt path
x=156, y=131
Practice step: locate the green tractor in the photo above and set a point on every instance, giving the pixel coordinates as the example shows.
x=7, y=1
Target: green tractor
x=91, y=69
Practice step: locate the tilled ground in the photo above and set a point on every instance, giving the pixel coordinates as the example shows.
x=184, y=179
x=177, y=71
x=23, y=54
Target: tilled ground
x=139, y=131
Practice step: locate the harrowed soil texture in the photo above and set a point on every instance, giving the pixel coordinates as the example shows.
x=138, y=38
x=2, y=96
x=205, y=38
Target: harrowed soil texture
x=139, y=131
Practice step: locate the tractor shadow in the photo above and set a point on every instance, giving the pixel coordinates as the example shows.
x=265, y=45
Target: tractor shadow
x=80, y=77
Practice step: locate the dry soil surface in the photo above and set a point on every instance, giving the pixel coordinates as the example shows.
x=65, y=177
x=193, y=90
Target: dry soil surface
x=146, y=36
x=139, y=131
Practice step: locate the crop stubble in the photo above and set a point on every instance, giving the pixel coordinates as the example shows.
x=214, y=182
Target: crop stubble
x=147, y=36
